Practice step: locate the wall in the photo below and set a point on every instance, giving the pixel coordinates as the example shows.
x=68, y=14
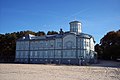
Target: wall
x=69, y=49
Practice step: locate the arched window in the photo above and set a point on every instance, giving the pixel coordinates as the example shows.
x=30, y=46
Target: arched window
x=69, y=44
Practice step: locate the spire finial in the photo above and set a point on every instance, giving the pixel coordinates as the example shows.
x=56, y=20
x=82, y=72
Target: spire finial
x=75, y=19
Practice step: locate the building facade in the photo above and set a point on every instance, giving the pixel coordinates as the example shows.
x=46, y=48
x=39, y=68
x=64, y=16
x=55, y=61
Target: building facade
x=72, y=47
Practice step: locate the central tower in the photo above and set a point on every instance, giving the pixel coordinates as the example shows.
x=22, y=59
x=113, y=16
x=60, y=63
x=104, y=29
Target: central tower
x=75, y=26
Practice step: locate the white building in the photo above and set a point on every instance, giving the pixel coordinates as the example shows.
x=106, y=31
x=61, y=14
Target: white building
x=73, y=47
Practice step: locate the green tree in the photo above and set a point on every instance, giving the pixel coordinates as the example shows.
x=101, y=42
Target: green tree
x=109, y=47
x=40, y=33
x=52, y=32
x=8, y=44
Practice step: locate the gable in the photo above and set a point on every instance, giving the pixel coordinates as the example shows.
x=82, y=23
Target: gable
x=69, y=41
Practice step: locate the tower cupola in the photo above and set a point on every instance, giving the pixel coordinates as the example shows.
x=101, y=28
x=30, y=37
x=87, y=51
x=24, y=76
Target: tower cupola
x=75, y=26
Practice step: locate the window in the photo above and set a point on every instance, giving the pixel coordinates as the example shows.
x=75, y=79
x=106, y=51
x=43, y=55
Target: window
x=41, y=44
x=17, y=54
x=59, y=44
x=76, y=25
x=87, y=44
x=73, y=29
x=76, y=28
x=25, y=59
x=58, y=54
x=52, y=44
x=82, y=52
x=32, y=54
x=35, y=53
x=21, y=60
x=17, y=60
x=69, y=44
x=45, y=54
x=65, y=54
x=79, y=43
x=51, y=54
x=22, y=54
x=46, y=44
x=84, y=43
x=26, y=54
x=73, y=53
x=69, y=54
x=41, y=54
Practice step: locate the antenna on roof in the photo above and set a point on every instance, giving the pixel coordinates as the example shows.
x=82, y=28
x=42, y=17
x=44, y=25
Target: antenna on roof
x=75, y=19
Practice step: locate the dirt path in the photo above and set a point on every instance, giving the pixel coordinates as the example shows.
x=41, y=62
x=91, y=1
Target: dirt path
x=53, y=72
x=103, y=63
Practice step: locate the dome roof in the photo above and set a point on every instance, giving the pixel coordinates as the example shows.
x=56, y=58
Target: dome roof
x=75, y=22
x=85, y=35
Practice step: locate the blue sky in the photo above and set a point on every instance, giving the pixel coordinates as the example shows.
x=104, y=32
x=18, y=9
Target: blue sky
x=97, y=16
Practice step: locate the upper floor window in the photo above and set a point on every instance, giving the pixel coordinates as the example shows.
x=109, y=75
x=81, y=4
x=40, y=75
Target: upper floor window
x=69, y=44
x=59, y=44
x=41, y=45
x=51, y=44
x=87, y=44
x=36, y=53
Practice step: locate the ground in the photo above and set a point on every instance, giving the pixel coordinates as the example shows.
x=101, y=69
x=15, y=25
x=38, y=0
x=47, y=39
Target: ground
x=105, y=70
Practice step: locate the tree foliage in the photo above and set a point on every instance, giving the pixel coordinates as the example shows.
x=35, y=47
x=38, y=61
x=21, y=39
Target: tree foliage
x=8, y=43
x=52, y=32
x=109, y=47
x=40, y=33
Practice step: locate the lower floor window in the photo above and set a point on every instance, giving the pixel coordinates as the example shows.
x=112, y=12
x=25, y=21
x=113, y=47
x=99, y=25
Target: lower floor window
x=25, y=59
x=17, y=60
x=21, y=59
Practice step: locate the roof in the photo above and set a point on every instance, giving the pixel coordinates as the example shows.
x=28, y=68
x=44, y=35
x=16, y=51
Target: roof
x=26, y=37
x=32, y=37
x=75, y=22
x=85, y=35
